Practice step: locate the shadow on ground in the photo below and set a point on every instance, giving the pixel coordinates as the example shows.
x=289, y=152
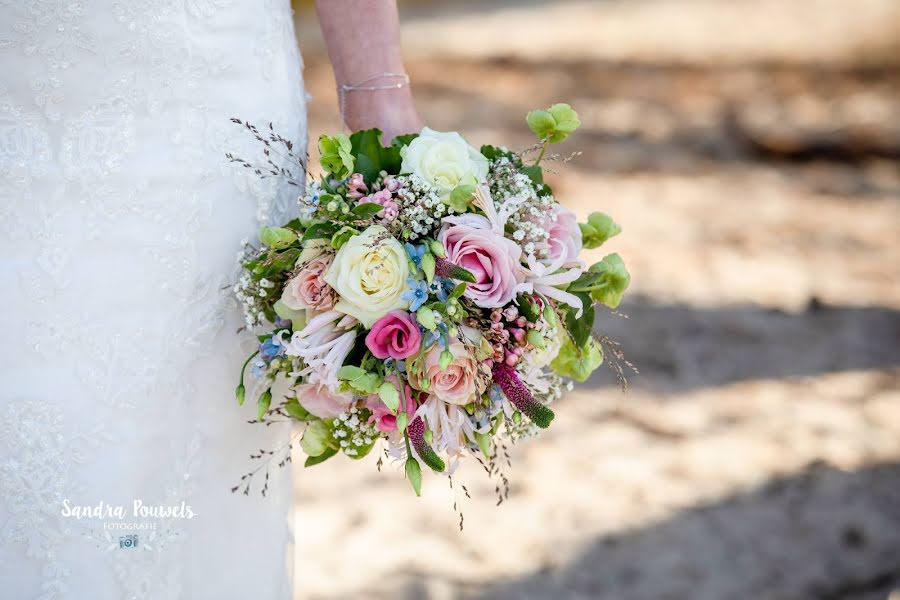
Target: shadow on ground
x=792, y=539
x=679, y=347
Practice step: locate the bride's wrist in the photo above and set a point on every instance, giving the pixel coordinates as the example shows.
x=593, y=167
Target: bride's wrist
x=391, y=110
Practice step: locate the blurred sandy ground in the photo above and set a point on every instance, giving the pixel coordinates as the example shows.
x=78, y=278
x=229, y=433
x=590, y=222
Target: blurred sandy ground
x=750, y=151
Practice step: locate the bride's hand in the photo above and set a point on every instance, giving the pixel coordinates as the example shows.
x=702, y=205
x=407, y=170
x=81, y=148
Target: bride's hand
x=392, y=111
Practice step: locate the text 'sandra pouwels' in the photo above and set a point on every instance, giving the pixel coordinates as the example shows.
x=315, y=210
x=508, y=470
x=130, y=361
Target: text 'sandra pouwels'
x=102, y=510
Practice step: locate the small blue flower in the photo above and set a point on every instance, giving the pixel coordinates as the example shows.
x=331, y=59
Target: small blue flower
x=270, y=348
x=258, y=368
x=416, y=295
x=439, y=334
x=416, y=253
x=441, y=288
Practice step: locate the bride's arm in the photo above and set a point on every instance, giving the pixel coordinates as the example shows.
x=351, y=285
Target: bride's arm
x=363, y=40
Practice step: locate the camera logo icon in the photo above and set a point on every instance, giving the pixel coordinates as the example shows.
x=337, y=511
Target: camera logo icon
x=128, y=541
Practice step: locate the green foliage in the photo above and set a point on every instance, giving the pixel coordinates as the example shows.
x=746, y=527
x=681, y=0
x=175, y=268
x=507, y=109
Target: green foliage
x=317, y=438
x=276, y=237
x=577, y=362
x=372, y=157
x=342, y=236
x=460, y=198
x=484, y=442
x=367, y=210
x=359, y=379
x=554, y=124
x=294, y=409
x=599, y=228
x=414, y=474
x=614, y=280
x=580, y=326
x=404, y=140
x=312, y=461
x=335, y=155
x=493, y=153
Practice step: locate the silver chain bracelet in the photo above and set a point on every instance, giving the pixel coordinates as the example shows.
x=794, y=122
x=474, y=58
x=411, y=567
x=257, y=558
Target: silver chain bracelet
x=400, y=80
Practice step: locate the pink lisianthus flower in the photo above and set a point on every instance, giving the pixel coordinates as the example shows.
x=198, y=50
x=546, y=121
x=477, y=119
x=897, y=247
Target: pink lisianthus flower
x=307, y=289
x=565, y=236
x=493, y=259
x=321, y=401
x=395, y=335
x=456, y=384
x=386, y=421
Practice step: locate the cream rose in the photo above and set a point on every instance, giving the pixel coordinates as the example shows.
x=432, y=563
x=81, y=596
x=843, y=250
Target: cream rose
x=369, y=274
x=445, y=160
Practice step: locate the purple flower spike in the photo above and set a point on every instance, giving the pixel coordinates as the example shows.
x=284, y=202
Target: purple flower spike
x=445, y=268
x=416, y=432
x=508, y=380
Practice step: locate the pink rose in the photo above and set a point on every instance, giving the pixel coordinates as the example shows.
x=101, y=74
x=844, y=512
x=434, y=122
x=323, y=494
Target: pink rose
x=321, y=401
x=493, y=259
x=386, y=421
x=307, y=289
x=565, y=235
x=455, y=384
x=394, y=335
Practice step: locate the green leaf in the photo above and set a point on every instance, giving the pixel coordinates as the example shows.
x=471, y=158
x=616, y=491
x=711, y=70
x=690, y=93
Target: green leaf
x=585, y=283
x=371, y=157
x=350, y=373
x=493, y=153
x=484, y=442
x=296, y=411
x=534, y=173
x=414, y=474
x=335, y=155
x=404, y=140
x=367, y=210
x=580, y=327
x=312, y=461
x=460, y=198
x=316, y=438
x=554, y=124
x=276, y=237
x=318, y=231
x=389, y=395
x=262, y=405
x=528, y=308
x=296, y=317
x=577, y=362
x=614, y=280
x=342, y=236
x=599, y=228
x=458, y=291
x=428, y=264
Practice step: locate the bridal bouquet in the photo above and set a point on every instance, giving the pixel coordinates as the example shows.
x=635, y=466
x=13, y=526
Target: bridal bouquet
x=430, y=297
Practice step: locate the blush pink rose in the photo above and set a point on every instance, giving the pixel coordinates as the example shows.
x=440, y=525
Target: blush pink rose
x=565, y=236
x=493, y=259
x=386, y=421
x=321, y=401
x=307, y=289
x=456, y=384
x=394, y=335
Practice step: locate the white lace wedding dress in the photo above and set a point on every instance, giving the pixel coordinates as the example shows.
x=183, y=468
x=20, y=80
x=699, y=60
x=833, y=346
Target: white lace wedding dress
x=121, y=219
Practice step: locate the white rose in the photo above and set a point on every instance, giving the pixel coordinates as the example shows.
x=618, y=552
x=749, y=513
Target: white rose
x=444, y=160
x=369, y=274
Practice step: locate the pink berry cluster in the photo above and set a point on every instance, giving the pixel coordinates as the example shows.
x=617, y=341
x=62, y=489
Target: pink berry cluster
x=508, y=335
x=385, y=196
